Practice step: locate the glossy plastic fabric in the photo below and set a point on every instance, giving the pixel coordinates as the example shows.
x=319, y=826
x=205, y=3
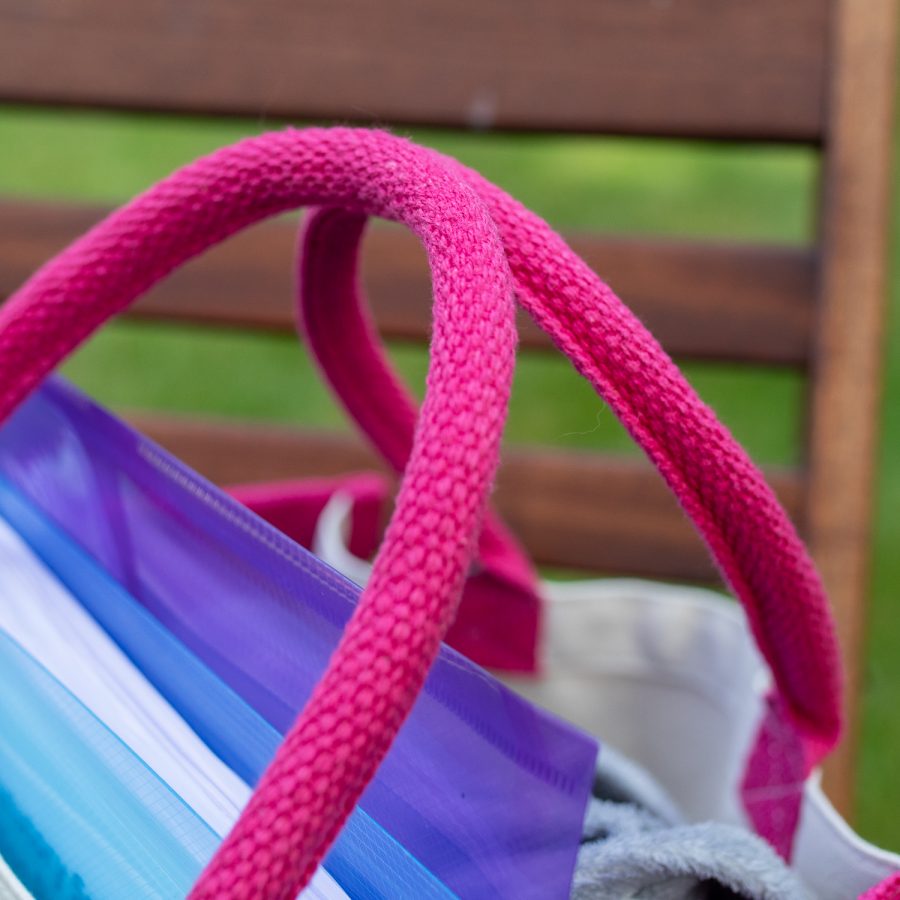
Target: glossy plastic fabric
x=483, y=788
x=80, y=814
x=366, y=861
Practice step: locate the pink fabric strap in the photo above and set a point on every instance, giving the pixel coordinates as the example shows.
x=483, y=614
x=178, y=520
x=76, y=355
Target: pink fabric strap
x=719, y=487
x=751, y=538
x=725, y=494
x=889, y=889
x=372, y=680
x=498, y=620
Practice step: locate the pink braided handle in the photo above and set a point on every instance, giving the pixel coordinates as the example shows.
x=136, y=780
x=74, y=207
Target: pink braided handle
x=372, y=680
x=751, y=538
x=498, y=620
x=721, y=490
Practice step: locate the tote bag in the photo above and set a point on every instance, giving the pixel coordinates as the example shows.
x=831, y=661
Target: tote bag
x=647, y=666
x=481, y=245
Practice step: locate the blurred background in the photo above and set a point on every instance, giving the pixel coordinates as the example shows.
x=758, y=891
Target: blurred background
x=758, y=192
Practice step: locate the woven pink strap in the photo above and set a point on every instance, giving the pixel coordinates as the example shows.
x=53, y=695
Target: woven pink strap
x=497, y=622
x=719, y=487
x=889, y=889
x=372, y=680
x=750, y=536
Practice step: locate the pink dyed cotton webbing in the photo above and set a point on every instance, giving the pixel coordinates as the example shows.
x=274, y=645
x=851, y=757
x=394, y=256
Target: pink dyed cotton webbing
x=497, y=622
x=719, y=487
x=889, y=889
x=749, y=534
x=372, y=680
x=753, y=542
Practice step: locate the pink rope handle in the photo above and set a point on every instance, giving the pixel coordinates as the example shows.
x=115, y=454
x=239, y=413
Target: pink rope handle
x=722, y=491
x=750, y=536
x=369, y=389
x=498, y=620
x=889, y=889
x=371, y=682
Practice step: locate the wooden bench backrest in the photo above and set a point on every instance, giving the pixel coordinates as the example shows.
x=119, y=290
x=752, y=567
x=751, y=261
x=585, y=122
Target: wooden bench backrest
x=818, y=72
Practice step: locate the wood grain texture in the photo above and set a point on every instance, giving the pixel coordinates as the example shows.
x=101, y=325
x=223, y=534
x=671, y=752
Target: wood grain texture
x=848, y=352
x=701, y=300
x=571, y=509
x=716, y=68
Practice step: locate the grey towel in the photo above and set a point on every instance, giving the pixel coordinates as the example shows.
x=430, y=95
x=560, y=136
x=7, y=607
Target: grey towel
x=635, y=847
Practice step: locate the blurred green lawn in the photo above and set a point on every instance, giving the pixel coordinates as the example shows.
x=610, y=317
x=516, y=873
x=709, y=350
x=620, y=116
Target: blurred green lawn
x=662, y=187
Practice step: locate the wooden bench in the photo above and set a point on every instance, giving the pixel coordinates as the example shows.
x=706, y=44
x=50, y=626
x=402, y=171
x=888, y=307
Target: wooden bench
x=816, y=72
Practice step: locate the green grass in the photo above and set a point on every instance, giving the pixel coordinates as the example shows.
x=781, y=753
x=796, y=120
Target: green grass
x=677, y=188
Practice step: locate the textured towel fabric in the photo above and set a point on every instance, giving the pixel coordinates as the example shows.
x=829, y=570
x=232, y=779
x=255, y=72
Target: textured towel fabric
x=634, y=855
x=636, y=846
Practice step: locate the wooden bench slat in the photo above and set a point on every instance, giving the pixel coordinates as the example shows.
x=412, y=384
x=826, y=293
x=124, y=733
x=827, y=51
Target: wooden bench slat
x=845, y=403
x=702, y=300
x=696, y=67
x=571, y=509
